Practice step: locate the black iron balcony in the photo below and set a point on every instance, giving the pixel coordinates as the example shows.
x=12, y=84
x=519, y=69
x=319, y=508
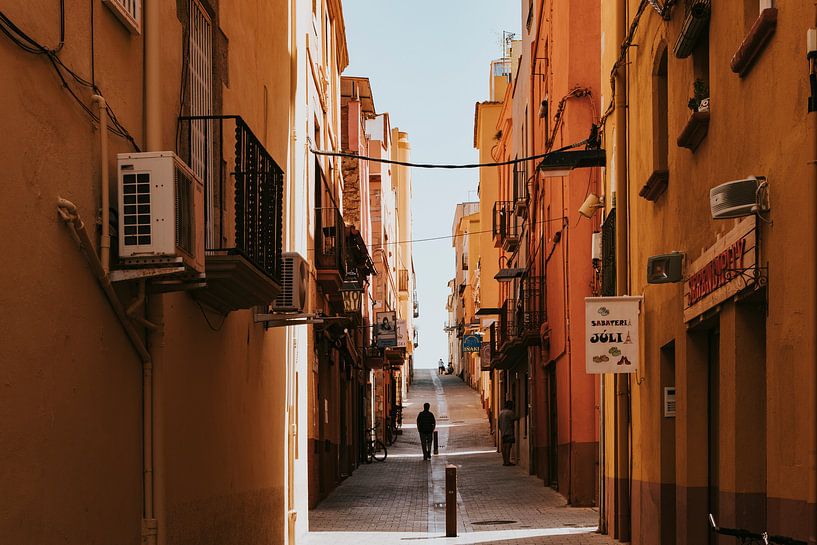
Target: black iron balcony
x=505, y=226
x=330, y=249
x=608, y=254
x=507, y=325
x=520, y=192
x=532, y=313
x=243, y=211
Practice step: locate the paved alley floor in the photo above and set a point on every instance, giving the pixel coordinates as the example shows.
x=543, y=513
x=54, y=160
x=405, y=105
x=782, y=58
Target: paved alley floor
x=401, y=501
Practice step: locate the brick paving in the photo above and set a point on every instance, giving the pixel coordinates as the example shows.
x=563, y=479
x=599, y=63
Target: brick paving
x=401, y=501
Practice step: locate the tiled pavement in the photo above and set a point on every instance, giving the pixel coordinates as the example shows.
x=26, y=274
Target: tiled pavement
x=401, y=501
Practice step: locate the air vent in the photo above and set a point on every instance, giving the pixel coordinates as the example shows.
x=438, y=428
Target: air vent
x=293, y=284
x=136, y=210
x=736, y=199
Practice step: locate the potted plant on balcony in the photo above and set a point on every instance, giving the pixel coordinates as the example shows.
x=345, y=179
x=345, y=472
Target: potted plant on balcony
x=700, y=97
x=698, y=124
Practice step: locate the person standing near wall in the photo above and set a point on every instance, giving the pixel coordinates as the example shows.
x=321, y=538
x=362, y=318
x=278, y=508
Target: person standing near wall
x=506, y=421
x=425, y=425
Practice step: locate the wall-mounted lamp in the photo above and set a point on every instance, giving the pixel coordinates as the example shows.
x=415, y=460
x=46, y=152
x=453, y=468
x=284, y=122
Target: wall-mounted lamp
x=590, y=205
x=665, y=268
x=543, y=109
x=560, y=163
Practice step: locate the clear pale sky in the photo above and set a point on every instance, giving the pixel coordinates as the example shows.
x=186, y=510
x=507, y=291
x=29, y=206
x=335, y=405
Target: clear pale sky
x=428, y=63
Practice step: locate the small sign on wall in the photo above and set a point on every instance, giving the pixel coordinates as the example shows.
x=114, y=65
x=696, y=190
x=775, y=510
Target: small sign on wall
x=611, y=331
x=669, y=402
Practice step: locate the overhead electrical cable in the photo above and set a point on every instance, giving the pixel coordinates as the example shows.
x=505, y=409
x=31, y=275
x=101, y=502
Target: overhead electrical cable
x=447, y=166
x=30, y=45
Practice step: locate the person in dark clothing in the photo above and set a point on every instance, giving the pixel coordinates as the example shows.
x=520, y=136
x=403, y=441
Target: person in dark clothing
x=425, y=425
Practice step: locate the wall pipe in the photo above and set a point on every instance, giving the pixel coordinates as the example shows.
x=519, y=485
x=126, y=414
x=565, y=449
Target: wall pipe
x=105, y=240
x=621, y=472
x=69, y=214
x=153, y=492
x=812, y=143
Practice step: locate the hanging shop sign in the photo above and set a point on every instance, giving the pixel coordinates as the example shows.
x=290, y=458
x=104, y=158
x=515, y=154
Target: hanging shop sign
x=402, y=334
x=471, y=343
x=722, y=270
x=385, y=328
x=612, y=334
x=485, y=357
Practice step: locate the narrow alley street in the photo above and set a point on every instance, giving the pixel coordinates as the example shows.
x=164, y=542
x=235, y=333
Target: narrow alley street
x=402, y=499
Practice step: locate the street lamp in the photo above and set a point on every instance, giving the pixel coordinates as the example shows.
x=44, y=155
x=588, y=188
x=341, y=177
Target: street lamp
x=352, y=291
x=560, y=163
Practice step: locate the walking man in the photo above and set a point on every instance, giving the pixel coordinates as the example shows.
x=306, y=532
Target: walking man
x=506, y=429
x=440, y=367
x=425, y=425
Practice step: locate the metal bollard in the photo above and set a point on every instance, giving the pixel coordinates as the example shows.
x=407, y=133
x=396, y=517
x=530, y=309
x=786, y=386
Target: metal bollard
x=436, y=443
x=450, y=500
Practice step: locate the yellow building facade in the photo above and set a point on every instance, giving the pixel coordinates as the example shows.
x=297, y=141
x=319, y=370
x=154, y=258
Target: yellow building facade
x=720, y=419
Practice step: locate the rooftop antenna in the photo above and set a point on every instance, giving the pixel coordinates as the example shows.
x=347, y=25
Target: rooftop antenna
x=507, y=38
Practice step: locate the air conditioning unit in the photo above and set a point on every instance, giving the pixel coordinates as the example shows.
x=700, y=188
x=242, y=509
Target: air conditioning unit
x=294, y=273
x=738, y=198
x=161, y=211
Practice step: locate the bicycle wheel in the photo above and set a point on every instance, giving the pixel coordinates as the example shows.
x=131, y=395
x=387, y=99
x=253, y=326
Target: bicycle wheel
x=379, y=452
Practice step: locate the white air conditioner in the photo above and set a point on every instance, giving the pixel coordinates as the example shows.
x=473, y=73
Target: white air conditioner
x=294, y=273
x=161, y=211
x=736, y=198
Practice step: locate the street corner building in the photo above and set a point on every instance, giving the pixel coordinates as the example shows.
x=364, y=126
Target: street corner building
x=188, y=350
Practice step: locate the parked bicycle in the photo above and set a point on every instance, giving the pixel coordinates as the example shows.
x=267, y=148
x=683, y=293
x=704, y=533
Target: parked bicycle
x=376, y=450
x=395, y=422
x=747, y=538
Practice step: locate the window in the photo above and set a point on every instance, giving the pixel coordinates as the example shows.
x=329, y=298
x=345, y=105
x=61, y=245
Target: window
x=200, y=78
x=129, y=12
x=660, y=112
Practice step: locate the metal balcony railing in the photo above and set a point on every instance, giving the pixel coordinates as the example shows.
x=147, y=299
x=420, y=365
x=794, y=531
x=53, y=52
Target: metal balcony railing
x=520, y=191
x=330, y=240
x=507, y=324
x=505, y=225
x=608, y=254
x=256, y=190
x=532, y=305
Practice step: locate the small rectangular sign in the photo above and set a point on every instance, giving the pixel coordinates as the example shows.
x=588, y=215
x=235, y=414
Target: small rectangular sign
x=612, y=334
x=385, y=329
x=485, y=357
x=669, y=401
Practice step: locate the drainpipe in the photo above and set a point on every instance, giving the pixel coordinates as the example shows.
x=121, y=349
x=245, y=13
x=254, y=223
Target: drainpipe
x=69, y=214
x=151, y=434
x=105, y=241
x=812, y=142
x=621, y=472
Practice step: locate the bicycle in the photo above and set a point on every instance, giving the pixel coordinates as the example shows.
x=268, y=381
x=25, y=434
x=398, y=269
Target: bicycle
x=375, y=449
x=395, y=422
x=746, y=537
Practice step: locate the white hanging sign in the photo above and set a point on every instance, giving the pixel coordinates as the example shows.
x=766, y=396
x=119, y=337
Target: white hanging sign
x=611, y=329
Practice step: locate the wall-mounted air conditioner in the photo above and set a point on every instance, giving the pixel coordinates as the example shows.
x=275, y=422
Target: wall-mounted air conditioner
x=161, y=211
x=294, y=272
x=739, y=198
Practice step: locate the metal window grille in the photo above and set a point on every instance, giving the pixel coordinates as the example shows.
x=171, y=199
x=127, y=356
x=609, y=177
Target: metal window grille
x=200, y=77
x=608, y=254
